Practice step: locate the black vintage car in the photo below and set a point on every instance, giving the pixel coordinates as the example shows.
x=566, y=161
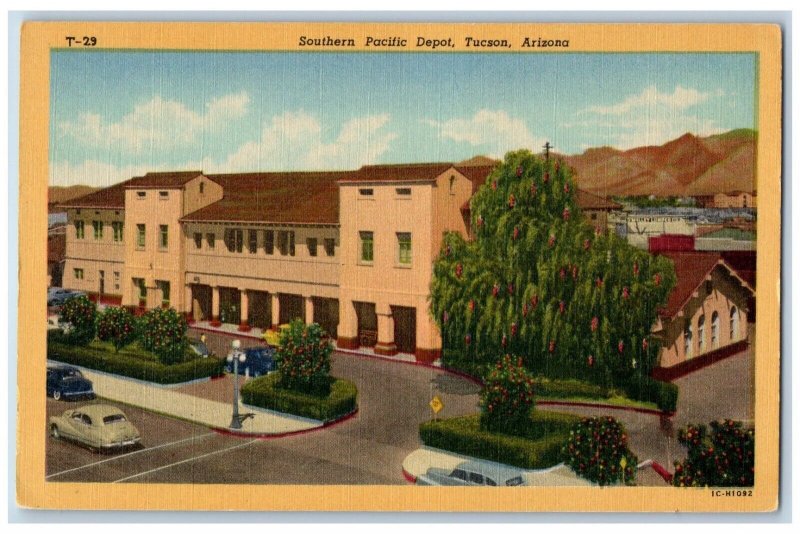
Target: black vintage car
x=66, y=382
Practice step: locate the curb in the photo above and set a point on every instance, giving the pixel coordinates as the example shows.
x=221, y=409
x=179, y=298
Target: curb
x=662, y=472
x=225, y=332
x=411, y=479
x=416, y=363
x=276, y=435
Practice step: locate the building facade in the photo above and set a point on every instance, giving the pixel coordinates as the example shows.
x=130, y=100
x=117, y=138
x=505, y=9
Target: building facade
x=351, y=250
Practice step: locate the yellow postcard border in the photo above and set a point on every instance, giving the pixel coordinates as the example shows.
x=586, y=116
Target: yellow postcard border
x=40, y=38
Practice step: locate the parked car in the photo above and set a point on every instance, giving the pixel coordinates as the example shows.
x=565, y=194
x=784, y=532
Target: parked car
x=200, y=348
x=57, y=296
x=472, y=474
x=67, y=382
x=258, y=361
x=98, y=426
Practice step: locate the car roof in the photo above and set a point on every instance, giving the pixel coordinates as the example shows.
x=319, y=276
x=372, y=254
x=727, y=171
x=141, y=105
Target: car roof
x=99, y=411
x=496, y=472
x=61, y=367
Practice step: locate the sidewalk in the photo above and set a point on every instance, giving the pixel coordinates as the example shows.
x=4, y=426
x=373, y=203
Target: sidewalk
x=213, y=414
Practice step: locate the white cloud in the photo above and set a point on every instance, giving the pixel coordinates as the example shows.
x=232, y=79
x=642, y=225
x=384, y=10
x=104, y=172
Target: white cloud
x=157, y=123
x=495, y=130
x=99, y=174
x=680, y=99
x=293, y=140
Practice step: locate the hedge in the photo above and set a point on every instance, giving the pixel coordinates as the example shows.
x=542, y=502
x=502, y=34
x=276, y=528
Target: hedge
x=462, y=435
x=121, y=364
x=265, y=393
x=646, y=389
x=544, y=387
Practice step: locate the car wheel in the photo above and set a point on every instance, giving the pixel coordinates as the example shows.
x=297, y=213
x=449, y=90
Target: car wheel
x=54, y=432
x=57, y=394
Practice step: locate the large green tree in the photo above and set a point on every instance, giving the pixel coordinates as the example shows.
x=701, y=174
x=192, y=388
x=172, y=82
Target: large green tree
x=538, y=282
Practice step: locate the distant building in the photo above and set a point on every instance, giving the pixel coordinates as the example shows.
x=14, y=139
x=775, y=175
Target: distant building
x=734, y=199
x=56, y=252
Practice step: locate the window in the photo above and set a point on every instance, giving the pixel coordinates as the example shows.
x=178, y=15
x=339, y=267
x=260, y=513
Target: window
x=330, y=246
x=163, y=286
x=252, y=241
x=714, y=330
x=211, y=240
x=138, y=284
x=366, y=192
x=404, y=248
x=460, y=474
x=117, y=227
x=234, y=239
x=476, y=478
x=141, y=195
x=78, y=272
x=140, y=236
x=452, y=183
x=79, y=230
x=311, y=242
x=116, y=280
x=163, y=195
x=701, y=334
x=269, y=241
x=286, y=243
x=367, y=251
x=687, y=341
x=202, y=187
x=734, y=323
x=163, y=237
x=198, y=240
x=403, y=191
x=97, y=226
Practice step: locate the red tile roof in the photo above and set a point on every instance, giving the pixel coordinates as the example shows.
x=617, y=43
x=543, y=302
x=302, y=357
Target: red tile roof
x=112, y=197
x=167, y=180
x=691, y=270
x=590, y=201
x=274, y=197
x=413, y=172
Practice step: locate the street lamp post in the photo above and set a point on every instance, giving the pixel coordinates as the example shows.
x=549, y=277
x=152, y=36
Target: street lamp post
x=236, y=356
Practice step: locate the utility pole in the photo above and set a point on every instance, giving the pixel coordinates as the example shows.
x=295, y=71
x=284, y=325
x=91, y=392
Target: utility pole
x=547, y=147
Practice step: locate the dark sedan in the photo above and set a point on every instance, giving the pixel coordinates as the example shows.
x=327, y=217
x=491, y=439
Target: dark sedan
x=258, y=361
x=64, y=381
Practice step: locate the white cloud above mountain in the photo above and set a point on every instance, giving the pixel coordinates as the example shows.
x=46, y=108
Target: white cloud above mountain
x=494, y=131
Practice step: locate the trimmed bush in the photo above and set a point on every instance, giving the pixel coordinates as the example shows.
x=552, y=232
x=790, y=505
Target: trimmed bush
x=265, y=392
x=133, y=367
x=596, y=449
x=81, y=315
x=463, y=435
x=723, y=458
x=646, y=389
x=303, y=358
x=163, y=332
x=117, y=326
x=545, y=387
x=507, y=397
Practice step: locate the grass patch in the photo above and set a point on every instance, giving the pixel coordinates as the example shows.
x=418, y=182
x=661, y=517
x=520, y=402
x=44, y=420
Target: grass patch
x=538, y=449
x=264, y=392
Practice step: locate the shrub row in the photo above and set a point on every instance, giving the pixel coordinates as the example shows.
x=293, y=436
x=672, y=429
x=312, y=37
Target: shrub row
x=463, y=435
x=265, y=393
x=120, y=364
x=646, y=389
x=569, y=388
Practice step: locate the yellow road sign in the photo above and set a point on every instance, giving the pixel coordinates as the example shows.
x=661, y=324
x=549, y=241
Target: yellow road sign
x=623, y=463
x=436, y=404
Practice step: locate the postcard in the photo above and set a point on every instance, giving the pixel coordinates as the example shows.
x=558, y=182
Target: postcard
x=400, y=267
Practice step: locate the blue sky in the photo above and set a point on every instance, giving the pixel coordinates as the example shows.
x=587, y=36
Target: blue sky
x=120, y=114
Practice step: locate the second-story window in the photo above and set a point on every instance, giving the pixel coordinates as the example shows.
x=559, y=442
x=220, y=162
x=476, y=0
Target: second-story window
x=367, y=251
x=98, y=229
x=311, y=242
x=198, y=240
x=366, y=192
x=211, y=240
x=234, y=239
x=163, y=195
x=403, y=191
x=163, y=237
x=286, y=242
x=79, y=230
x=141, y=231
x=269, y=241
x=117, y=227
x=330, y=246
x=252, y=241
x=404, y=248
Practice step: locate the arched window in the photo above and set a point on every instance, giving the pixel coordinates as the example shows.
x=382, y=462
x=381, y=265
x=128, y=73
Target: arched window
x=688, y=345
x=714, y=330
x=701, y=334
x=734, y=324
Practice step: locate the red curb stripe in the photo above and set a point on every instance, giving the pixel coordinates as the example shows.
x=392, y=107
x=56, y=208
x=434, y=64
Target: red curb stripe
x=601, y=405
x=411, y=479
x=258, y=435
x=225, y=332
x=662, y=472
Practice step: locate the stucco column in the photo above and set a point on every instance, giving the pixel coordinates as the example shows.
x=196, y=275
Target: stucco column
x=385, y=345
x=215, y=306
x=188, y=301
x=244, y=303
x=309, y=316
x=154, y=298
x=429, y=340
x=276, y=310
x=347, y=331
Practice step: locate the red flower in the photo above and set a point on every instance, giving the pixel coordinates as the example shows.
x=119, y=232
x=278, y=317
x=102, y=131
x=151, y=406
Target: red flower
x=546, y=177
x=657, y=279
x=590, y=360
x=533, y=190
x=551, y=241
x=525, y=310
x=552, y=345
x=447, y=251
x=562, y=273
x=459, y=270
x=504, y=341
x=625, y=292
x=561, y=307
x=471, y=305
x=595, y=323
x=586, y=244
x=495, y=290
x=620, y=346
x=519, y=171
x=636, y=268
x=494, y=185
x=510, y=289
x=535, y=301
x=445, y=317
x=644, y=344
x=512, y=200
x=480, y=221
x=565, y=214
x=598, y=282
x=574, y=272
x=513, y=329
x=515, y=235
x=468, y=339
x=566, y=188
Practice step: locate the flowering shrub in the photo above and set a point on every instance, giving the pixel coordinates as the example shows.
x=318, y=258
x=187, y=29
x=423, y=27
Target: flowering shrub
x=303, y=358
x=722, y=458
x=507, y=397
x=118, y=326
x=597, y=450
x=163, y=332
x=81, y=315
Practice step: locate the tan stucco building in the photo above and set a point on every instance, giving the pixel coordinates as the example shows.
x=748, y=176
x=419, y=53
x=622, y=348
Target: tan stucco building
x=351, y=250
